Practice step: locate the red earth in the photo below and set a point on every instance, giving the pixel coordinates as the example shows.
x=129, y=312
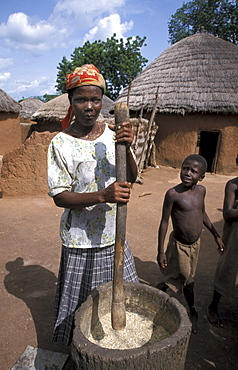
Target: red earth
x=30, y=253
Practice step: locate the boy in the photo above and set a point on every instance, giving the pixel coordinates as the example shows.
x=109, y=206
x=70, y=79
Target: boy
x=226, y=276
x=185, y=204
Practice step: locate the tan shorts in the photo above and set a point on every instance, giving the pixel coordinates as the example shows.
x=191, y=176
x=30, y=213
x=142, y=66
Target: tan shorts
x=182, y=263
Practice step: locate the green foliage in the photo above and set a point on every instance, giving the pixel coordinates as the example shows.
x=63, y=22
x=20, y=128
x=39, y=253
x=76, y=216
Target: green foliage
x=219, y=18
x=118, y=61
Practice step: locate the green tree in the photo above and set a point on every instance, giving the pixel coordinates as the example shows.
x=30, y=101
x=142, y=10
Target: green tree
x=64, y=68
x=219, y=18
x=118, y=61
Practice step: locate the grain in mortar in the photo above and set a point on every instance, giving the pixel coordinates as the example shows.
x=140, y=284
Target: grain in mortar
x=139, y=331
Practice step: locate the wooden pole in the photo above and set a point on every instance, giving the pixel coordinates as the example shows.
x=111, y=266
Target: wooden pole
x=128, y=94
x=118, y=311
x=140, y=164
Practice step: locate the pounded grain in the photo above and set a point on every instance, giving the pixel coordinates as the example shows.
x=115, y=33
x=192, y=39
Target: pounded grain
x=139, y=331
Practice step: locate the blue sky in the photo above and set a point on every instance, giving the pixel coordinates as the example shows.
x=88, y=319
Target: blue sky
x=34, y=36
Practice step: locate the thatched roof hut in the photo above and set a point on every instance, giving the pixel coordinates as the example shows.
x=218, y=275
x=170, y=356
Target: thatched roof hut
x=8, y=104
x=28, y=107
x=9, y=123
x=197, y=83
x=197, y=74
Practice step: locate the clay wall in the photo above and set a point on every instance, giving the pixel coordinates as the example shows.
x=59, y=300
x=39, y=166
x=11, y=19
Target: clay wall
x=24, y=169
x=177, y=137
x=10, y=132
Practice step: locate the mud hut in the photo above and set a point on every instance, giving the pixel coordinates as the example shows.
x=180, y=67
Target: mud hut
x=28, y=107
x=197, y=109
x=50, y=115
x=10, y=132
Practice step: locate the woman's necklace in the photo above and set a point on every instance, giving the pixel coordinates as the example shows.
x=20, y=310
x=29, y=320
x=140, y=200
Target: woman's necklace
x=87, y=136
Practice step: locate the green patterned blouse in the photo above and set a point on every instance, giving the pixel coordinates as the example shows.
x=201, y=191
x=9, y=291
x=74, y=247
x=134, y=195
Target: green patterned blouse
x=84, y=166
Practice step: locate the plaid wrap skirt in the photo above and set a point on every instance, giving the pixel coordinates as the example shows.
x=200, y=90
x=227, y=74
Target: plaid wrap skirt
x=82, y=270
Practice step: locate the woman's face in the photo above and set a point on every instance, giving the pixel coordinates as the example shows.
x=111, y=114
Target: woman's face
x=87, y=103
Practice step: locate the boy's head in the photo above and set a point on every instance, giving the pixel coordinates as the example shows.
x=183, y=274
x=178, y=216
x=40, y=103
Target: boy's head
x=197, y=158
x=193, y=169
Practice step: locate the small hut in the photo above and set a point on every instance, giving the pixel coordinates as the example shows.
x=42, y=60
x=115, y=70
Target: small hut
x=197, y=109
x=10, y=132
x=49, y=116
x=28, y=107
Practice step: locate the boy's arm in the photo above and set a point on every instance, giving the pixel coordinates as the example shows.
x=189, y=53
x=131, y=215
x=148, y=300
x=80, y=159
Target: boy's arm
x=167, y=207
x=211, y=228
x=229, y=211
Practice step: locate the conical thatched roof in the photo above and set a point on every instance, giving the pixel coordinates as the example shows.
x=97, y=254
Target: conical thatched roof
x=56, y=109
x=29, y=106
x=7, y=104
x=197, y=74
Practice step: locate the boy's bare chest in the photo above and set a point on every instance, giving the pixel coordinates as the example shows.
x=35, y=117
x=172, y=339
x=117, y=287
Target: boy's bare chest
x=189, y=202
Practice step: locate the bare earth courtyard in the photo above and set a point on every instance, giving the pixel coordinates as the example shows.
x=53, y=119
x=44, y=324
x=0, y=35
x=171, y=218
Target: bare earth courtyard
x=30, y=253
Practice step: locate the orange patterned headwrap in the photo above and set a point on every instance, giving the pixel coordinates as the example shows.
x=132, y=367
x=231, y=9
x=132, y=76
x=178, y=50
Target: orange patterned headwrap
x=87, y=74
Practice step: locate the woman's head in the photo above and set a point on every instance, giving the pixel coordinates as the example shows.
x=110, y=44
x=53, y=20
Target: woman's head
x=86, y=102
x=86, y=75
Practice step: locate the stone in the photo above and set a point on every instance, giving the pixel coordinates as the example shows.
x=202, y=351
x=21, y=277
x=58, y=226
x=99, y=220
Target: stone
x=40, y=359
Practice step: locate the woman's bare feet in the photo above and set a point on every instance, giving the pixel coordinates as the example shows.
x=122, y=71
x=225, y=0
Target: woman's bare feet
x=214, y=318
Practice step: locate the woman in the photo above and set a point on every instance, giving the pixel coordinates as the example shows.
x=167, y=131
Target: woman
x=81, y=178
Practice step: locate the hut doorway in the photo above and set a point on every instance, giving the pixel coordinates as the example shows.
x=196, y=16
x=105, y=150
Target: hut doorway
x=209, y=143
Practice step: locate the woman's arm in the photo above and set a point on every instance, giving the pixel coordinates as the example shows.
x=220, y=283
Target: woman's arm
x=117, y=192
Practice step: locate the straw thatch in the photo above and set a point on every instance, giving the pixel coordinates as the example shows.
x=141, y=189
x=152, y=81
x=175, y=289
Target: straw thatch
x=197, y=74
x=7, y=104
x=56, y=109
x=29, y=106
x=107, y=105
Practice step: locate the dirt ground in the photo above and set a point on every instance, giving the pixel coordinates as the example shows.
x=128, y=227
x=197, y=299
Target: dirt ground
x=30, y=252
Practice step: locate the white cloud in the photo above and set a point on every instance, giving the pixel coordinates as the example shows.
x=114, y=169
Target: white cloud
x=49, y=88
x=36, y=87
x=5, y=62
x=68, y=19
x=20, y=33
x=82, y=9
x=28, y=85
x=107, y=26
x=81, y=15
x=5, y=76
x=18, y=26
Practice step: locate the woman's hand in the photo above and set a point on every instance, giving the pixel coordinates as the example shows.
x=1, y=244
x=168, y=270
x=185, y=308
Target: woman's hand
x=117, y=192
x=124, y=133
